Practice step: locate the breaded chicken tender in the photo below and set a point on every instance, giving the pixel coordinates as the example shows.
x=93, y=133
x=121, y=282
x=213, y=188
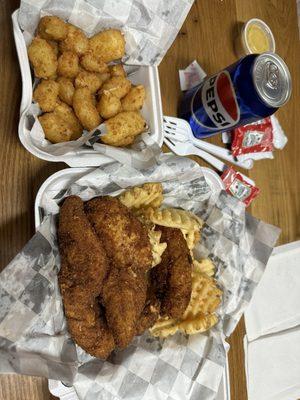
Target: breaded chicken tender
x=84, y=266
x=150, y=313
x=173, y=276
x=117, y=70
x=85, y=109
x=124, y=237
x=91, y=80
x=134, y=100
x=43, y=58
x=66, y=90
x=123, y=128
x=61, y=125
x=75, y=41
x=68, y=64
x=92, y=63
x=45, y=94
x=124, y=296
x=108, y=105
x=125, y=240
x=52, y=28
x=108, y=45
x=117, y=85
x=95, y=338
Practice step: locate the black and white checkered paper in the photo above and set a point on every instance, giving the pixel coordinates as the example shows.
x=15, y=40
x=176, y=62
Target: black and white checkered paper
x=33, y=332
x=150, y=26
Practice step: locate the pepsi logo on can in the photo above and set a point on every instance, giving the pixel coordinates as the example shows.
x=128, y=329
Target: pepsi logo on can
x=218, y=98
x=249, y=90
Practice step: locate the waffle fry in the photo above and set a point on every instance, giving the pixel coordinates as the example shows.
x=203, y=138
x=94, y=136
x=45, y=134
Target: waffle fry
x=200, y=323
x=157, y=247
x=191, y=237
x=205, y=297
x=200, y=313
x=148, y=195
x=165, y=327
x=189, y=223
x=174, y=218
x=205, y=266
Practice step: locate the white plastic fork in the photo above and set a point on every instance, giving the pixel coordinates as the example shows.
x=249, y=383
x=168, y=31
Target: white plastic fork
x=178, y=129
x=187, y=148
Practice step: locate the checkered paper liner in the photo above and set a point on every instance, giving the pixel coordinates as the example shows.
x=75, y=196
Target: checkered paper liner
x=149, y=27
x=33, y=331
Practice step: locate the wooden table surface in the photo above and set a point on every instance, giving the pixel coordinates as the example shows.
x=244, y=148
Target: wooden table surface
x=207, y=36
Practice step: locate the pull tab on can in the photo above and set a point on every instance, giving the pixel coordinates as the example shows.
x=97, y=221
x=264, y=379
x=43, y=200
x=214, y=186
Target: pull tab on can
x=272, y=79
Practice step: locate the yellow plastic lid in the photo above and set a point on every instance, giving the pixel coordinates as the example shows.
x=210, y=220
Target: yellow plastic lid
x=258, y=37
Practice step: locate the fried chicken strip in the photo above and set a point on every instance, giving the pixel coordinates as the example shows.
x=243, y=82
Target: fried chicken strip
x=84, y=266
x=150, y=312
x=128, y=247
x=172, y=278
x=124, y=296
x=124, y=237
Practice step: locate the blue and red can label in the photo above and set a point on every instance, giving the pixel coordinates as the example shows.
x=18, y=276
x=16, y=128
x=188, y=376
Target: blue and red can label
x=218, y=99
x=224, y=100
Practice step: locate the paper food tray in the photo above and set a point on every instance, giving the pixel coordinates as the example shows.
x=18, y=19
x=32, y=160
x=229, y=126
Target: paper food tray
x=152, y=109
x=59, y=181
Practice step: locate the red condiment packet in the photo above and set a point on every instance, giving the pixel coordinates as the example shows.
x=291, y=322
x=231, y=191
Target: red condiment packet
x=238, y=187
x=253, y=138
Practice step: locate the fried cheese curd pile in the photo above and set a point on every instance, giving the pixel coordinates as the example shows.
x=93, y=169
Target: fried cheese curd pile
x=122, y=274
x=75, y=71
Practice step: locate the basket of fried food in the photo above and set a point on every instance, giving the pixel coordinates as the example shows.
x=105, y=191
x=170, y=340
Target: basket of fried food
x=81, y=87
x=127, y=266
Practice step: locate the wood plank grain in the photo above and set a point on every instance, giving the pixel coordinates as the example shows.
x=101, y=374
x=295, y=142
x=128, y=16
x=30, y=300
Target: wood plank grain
x=278, y=179
x=24, y=388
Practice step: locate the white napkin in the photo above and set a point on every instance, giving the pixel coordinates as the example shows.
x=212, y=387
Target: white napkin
x=275, y=305
x=272, y=343
x=273, y=366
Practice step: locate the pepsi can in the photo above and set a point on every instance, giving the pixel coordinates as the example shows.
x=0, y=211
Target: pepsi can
x=250, y=89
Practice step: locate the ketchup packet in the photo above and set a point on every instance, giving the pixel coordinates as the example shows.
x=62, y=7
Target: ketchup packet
x=239, y=187
x=253, y=138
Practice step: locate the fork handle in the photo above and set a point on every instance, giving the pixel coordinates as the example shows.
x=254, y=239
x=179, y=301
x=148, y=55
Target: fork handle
x=222, y=153
x=215, y=162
